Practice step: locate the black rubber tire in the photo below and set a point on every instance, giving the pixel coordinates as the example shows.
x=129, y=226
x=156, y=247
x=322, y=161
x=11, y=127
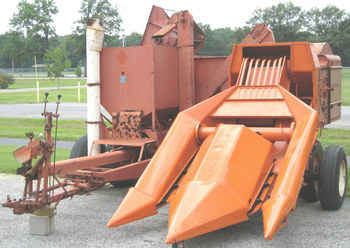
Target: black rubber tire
x=124, y=184
x=79, y=148
x=178, y=245
x=329, y=195
x=309, y=193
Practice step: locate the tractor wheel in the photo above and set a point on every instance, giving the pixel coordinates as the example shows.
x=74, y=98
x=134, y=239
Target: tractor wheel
x=333, y=178
x=123, y=184
x=180, y=244
x=309, y=193
x=79, y=148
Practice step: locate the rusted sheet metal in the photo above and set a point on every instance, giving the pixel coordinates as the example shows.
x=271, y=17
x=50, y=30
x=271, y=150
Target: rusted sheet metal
x=322, y=48
x=123, y=173
x=186, y=60
x=31, y=205
x=166, y=87
x=146, y=74
x=25, y=153
x=157, y=19
x=127, y=125
x=69, y=165
x=100, y=176
x=164, y=30
x=210, y=75
x=125, y=142
x=260, y=34
x=127, y=73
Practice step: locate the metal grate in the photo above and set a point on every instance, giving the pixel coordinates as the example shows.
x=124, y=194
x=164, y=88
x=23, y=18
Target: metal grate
x=261, y=72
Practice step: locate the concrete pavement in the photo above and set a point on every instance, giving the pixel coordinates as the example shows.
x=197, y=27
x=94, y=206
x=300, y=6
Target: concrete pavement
x=81, y=222
x=67, y=111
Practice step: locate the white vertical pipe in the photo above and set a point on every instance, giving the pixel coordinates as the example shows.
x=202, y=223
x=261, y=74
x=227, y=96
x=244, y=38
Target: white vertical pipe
x=94, y=44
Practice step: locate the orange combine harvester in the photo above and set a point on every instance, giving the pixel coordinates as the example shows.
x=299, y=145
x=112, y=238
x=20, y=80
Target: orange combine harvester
x=252, y=147
x=240, y=131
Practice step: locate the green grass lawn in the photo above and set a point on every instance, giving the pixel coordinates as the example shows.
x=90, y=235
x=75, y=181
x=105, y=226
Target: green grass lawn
x=22, y=83
x=9, y=165
x=335, y=136
x=68, y=95
x=68, y=130
x=340, y=137
x=346, y=87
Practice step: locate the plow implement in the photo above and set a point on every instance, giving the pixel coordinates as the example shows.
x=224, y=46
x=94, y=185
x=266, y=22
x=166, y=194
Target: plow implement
x=243, y=150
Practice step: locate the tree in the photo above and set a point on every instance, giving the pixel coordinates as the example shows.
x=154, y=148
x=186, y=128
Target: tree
x=341, y=40
x=323, y=23
x=5, y=80
x=103, y=10
x=10, y=48
x=286, y=20
x=218, y=42
x=331, y=25
x=134, y=39
x=57, y=61
x=78, y=71
x=35, y=19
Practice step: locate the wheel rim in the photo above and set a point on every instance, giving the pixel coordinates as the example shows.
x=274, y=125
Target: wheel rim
x=342, y=178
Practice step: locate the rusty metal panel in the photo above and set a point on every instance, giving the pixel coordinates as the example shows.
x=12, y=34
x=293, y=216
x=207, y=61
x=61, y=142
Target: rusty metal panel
x=335, y=80
x=210, y=75
x=166, y=77
x=335, y=93
x=156, y=20
x=126, y=78
x=323, y=93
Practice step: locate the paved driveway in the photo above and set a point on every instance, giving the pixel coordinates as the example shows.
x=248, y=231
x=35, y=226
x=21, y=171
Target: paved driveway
x=81, y=222
x=67, y=111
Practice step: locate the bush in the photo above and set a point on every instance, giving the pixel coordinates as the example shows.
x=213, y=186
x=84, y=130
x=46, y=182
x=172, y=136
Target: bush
x=6, y=80
x=78, y=71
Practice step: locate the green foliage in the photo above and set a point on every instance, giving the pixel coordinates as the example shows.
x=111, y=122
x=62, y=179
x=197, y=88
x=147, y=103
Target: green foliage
x=331, y=25
x=290, y=23
x=134, y=39
x=286, y=20
x=11, y=42
x=218, y=42
x=35, y=18
x=5, y=80
x=345, y=87
x=57, y=61
x=78, y=71
x=103, y=10
x=323, y=23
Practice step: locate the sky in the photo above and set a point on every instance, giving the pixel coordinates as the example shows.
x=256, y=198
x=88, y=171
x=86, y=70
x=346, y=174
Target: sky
x=134, y=13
